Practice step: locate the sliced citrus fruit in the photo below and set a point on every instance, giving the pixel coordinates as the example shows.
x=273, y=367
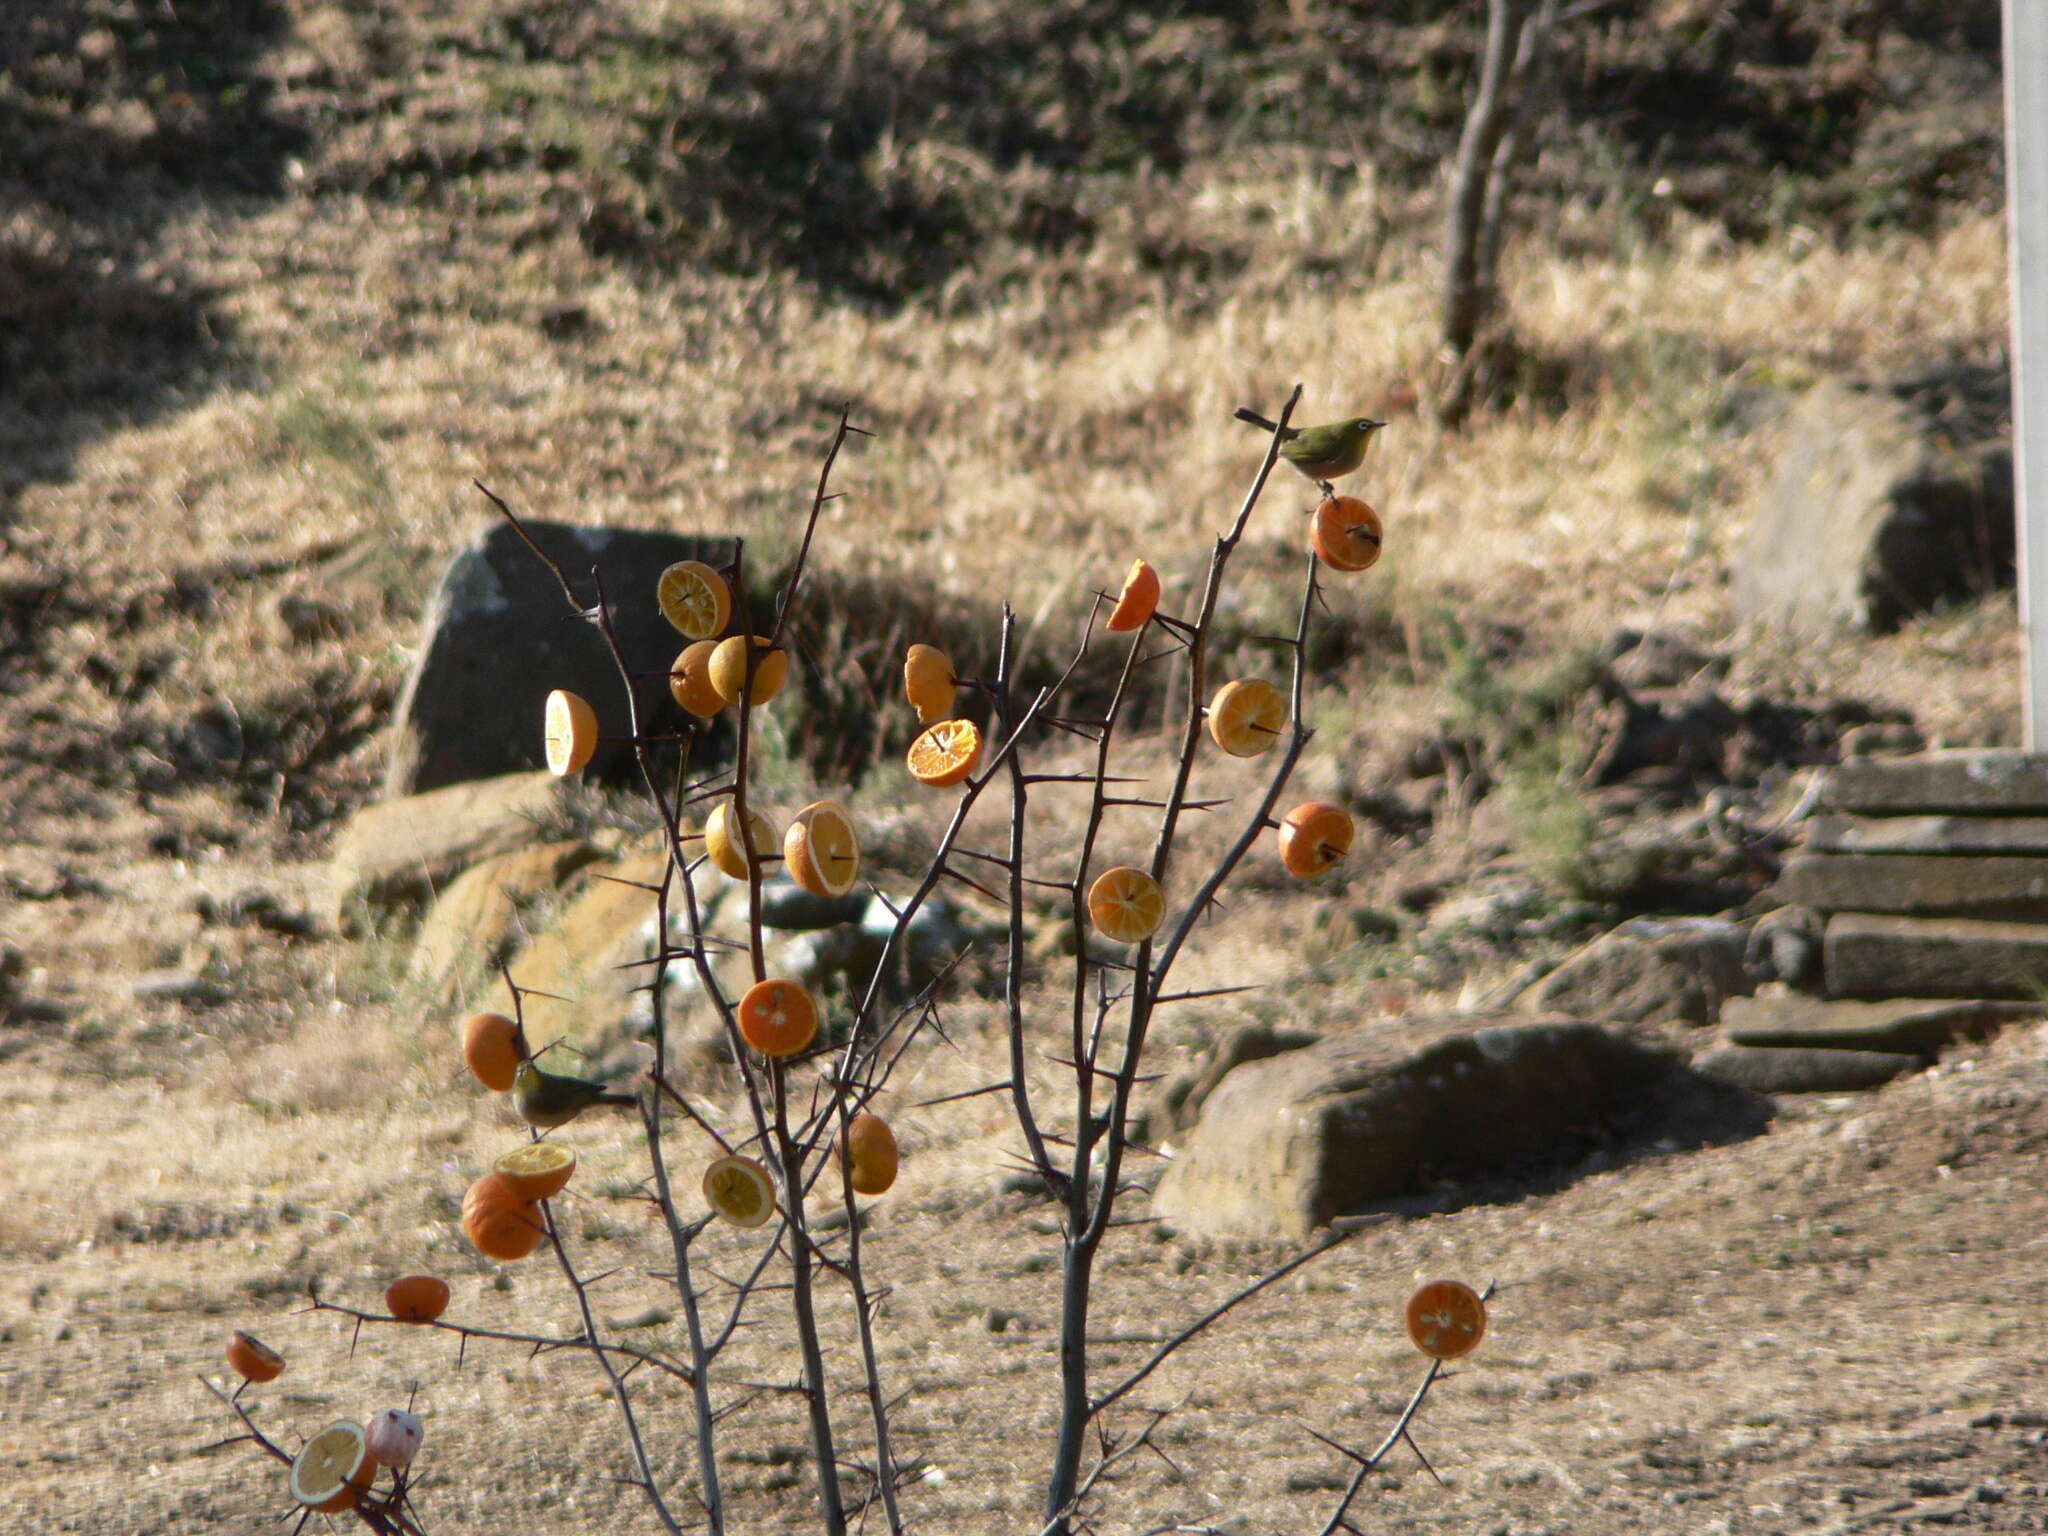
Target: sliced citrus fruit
x=689, y=680
x=569, y=732
x=1313, y=836
x=778, y=1017
x=870, y=1154
x=1347, y=533
x=333, y=1468
x=416, y=1298
x=695, y=599
x=1135, y=604
x=1446, y=1319
x=502, y=1225
x=1126, y=904
x=738, y=1188
x=729, y=668
x=821, y=850
x=490, y=1044
x=929, y=683
x=536, y=1171
x=394, y=1437
x=1246, y=716
x=253, y=1359
x=945, y=753
x=722, y=840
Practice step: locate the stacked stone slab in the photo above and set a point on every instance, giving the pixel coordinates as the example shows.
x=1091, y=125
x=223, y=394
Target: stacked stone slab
x=1931, y=873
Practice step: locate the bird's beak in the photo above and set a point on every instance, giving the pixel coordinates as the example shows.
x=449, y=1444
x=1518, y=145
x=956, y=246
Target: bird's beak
x=1375, y=425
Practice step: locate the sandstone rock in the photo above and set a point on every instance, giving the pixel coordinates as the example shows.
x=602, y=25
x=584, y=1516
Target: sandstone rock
x=1916, y=1026
x=1871, y=513
x=1650, y=971
x=1869, y=955
x=1291, y=1143
x=1958, y=885
x=1801, y=1069
x=397, y=853
x=1182, y=1095
x=499, y=634
x=1951, y=782
x=475, y=922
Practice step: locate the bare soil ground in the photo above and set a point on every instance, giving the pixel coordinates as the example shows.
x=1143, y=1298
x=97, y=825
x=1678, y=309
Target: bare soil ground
x=276, y=279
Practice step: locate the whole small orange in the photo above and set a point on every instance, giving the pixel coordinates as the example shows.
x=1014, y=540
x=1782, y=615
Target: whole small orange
x=416, y=1298
x=729, y=669
x=498, y=1222
x=870, y=1154
x=490, y=1044
x=689, y=680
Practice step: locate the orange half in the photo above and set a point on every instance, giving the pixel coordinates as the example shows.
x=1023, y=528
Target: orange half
x=739, y=1189
x=1446, y=1319
x=333, y=1468
x=929, y=683
x=722, y=841
x=945, y=753
x=538, y=1170
x=821, y=850
x=1126, y=904
x=729, y=669
x=1247, y=716
x=689, y=680
x=695, y=599
x=1347, y=533
x=778, y=1017
x=1139, y=598
x=568, y=732
x=1314, y=836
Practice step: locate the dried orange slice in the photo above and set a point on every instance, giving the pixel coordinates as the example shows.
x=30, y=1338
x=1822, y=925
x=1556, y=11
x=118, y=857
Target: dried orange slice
x=695, y=599
x=1126, y=904
x=729, y=668
x=490, y=1044
x=739, y=1189
x=1446, y=1319
x=1313, y=836
x=569, y=732
x=1246, y=716
x=253, y=1359
x=945, y=753
x=821, y=850
x=928, y=682
x=333, y=1468
x=689, y=680
x=1347, y=533
x=722, y=840
x=1135, y=604
x=502, y=1225
x=416, y=1298
x=536, y=1171
x=870, y=1154
x=778, y=1017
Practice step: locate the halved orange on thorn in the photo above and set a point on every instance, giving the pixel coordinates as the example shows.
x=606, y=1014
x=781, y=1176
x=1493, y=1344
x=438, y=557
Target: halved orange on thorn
x=739, y=1189
x=1446, y=1319
x=929, y=682
x=1347, y=533
x=568, y=732
x=1313, y=836
x=334, y=1468
x=538, y=1170
x=821, y=850
x=778, y=1017
x=1136, y=603
x=1126, y=904
x=945, y=753
x=1247, y=716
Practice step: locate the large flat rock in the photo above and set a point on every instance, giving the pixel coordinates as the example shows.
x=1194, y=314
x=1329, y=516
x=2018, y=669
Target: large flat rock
x=1802, y=1069
x=1916, y=1026
x=1986, y=885
x=1290, y=1143
x=1871, y=955
x=1957, y=781
x=1834, y=833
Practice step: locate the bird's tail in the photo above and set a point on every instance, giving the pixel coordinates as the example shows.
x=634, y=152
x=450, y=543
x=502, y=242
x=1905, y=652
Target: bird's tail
x=1244, y=413
x=619, y=1098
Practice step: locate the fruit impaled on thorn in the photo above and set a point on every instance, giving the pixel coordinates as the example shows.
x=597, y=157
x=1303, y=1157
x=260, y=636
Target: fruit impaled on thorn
x=1314, y=836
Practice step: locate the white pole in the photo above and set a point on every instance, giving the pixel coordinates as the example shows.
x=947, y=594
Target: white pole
x=2026, y=183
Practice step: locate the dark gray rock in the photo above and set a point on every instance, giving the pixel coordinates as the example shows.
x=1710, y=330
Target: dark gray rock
x=1956, y=781
x=1873, y=955
x=1916, y=1026
x=1785, y=945
x=1875, y=510
x=1833, y=832
x=1933, y=885
x=788, y=906
x=1376, y=1114
x=499, y=635
x=1801, y=1069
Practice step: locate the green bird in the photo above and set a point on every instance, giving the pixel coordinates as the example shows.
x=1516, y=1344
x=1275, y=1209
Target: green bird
x=548, y=1099
x=1322, y=453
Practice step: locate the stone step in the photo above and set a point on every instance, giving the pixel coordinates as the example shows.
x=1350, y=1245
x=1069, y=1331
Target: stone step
x=1866, y=954
x=1916, y=1026
x=1957, y=781
x=1798, y=1069
x=1922, y=884
x=1832, y=832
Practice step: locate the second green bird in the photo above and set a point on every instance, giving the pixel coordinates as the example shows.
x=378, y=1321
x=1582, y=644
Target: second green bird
x=548, y=1099
x=1323, y=453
